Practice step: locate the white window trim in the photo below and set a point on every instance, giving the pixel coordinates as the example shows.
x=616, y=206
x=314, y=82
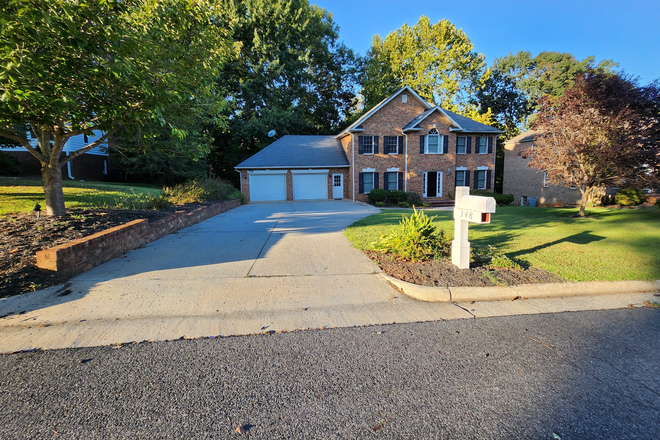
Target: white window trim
x=396, y=147
x=485, y=170
x=545, y=180
x=368, y=170
x=372, y=145
x=389, y=170
x=477, y=146
x=464, y=145
x=458, y=169
x=441, y=146
x=461, y=168
x=373, y=180
x=396, y=173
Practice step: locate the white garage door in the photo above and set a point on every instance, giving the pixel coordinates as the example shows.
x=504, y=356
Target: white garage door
x=267, y=187
x=310, y=186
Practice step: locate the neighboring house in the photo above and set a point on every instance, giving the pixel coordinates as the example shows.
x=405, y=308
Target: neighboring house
x=403, y=143
x=524, y=182
x=93, y=165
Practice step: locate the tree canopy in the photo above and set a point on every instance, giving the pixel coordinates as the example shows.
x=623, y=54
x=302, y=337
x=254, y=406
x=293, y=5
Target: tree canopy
x=139, y=65
x=292, y=76
x=603, y=131
x=436, y=60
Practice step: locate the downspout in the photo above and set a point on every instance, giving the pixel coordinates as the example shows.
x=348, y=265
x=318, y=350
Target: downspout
x=405, y=179
x=68, y=164
x=353, y=181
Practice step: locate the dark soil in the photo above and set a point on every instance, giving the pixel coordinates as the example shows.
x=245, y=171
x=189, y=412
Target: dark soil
x=22, y=235
x=442, y=273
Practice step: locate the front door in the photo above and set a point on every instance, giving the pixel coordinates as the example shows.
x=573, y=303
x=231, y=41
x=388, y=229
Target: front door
x=433, y=184
x=337, y=186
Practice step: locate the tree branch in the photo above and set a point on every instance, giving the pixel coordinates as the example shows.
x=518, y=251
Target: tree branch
x=24, y=142
x=87, y=148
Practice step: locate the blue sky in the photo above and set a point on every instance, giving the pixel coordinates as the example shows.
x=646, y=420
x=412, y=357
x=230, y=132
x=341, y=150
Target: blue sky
x=627, y=32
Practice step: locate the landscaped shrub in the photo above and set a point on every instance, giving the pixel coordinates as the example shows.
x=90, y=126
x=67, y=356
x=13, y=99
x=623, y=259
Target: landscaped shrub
x=500, y=199
x=630, y=197
x=380, y=203
x=395, y=197
x=201, y=190
x=607, y=200
x=415, y=239
x=415, y=199
x=377, y=195
x=158, y=202
x=9, y=165
x=404, y=204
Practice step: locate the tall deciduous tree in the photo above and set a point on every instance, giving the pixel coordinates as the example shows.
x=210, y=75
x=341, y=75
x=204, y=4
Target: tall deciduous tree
x=436, y=60
x=71, y=67
x=603, y=131
x=292, y=76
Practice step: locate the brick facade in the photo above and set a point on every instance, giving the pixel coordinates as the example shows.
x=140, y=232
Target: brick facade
x=245, y=182
x=85, y=167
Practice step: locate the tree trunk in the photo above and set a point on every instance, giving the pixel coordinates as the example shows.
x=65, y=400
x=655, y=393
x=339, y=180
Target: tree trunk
x=586, y=193
x=52, y=182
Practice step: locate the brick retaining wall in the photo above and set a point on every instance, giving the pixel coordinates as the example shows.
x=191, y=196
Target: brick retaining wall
x=75, y=257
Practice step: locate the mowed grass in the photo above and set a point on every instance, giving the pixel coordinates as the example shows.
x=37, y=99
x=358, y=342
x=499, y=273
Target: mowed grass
x=22, y=195
x=613, y=244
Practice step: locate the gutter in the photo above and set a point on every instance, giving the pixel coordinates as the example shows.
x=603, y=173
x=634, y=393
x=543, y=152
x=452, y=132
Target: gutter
x=405, y=179
x=353, y=166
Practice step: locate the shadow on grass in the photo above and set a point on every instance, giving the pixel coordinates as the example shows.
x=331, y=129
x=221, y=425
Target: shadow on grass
x=585, y=237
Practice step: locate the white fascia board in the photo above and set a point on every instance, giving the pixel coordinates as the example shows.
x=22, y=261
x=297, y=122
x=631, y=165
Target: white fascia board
x=284, y=168
x=311, y=171
x=267, y=171
x=379, y=106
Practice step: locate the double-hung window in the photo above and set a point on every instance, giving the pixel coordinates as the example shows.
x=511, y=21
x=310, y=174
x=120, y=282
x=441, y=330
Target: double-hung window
x=482, y=145
x=460, y=178
x=368, y=144
x=392, y=144
x=481, y=179
x=461, y=142
x=433, y=142
x=368, y=182
x=392, y=181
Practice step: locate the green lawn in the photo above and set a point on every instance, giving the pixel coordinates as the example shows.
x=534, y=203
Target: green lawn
x=614, y=244
x=21, y=195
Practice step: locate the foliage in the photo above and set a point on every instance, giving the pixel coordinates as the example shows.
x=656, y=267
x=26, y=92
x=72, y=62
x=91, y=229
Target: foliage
x=414, y=239
x=9, y=165
x=377, y=195
x=630, y=197
x=518, y=81
x=603, y=131
x=501, y=199
x=607, y=200
x=158, y=202
x=292, y=75
x=403, y=204
x=415, y=199
x=504, y=262
x=436, y=60
x=116, y=65
x=380, y=203
x=576, y=249
x=397, y=196
x=158, y=167
x=201, y=190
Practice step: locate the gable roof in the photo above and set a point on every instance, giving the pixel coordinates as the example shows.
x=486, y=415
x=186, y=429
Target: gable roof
x=460, y=123
x=356, y=126
x=299, y=152
x=528, y=136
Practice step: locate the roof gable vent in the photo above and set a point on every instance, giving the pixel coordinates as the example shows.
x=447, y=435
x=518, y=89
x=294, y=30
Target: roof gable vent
x=404, y=98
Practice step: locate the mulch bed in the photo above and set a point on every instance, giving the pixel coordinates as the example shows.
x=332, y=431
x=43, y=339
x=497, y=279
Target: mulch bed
x=22, y=235
x=442, y=273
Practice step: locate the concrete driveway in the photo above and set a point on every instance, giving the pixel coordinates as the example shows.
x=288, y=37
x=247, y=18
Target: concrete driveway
x=258, y=268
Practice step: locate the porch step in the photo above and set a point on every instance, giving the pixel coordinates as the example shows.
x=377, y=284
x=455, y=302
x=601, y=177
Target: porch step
x=440, y=202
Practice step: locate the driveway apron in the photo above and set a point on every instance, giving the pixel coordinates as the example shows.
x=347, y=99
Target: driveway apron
x=259, y=268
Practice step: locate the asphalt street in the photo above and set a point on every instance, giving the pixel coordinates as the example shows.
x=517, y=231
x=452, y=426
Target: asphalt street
x=575, y=375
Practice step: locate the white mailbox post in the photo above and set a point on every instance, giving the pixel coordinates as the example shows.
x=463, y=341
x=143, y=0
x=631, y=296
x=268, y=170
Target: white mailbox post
x=468, y=209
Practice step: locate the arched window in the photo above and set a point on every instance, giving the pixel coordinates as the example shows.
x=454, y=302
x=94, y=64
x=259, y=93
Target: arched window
x=433, y=131
x=433, y=142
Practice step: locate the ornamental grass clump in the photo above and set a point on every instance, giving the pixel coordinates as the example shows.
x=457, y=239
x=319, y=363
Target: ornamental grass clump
x=414, y=239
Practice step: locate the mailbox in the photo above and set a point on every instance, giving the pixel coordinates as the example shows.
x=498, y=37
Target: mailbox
x=468, y=209
x=475, y=209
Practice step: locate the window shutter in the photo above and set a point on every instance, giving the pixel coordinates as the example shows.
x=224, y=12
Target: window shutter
x=469, y=145
x=361, y=146
x=466, y=181
x=400, y=144
x=375, y=144
x=400, y=181
x=385, y=180
x=445, y=141
x=476, y=180
x=361, y=180
x=490, y=144
x=489, y=175
x=421, y=144
x=376, y=181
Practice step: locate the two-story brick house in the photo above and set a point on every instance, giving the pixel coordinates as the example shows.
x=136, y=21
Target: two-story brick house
x=402, y=143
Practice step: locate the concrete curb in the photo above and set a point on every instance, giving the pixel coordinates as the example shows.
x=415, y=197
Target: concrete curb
x=464, y=294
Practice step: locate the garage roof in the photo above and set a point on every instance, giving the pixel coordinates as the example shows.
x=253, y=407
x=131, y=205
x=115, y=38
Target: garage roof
x=299, y=152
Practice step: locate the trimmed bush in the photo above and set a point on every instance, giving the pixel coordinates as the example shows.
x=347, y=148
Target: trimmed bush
x=415, y=199
x=414, y=239
x=395, y=197
x=377, y=195
x=607, y=200
x=500, y=199
x=201, y=190
x=630, y=197
x=404, y=204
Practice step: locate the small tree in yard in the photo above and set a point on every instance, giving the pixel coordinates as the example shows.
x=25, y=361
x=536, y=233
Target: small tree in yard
x=69, y=67
x=604, y=131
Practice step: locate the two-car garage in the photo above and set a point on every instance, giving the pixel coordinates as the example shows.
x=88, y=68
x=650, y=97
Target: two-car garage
x=271, y=185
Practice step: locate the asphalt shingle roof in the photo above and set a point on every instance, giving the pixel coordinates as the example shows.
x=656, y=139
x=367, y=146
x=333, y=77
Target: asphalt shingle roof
x=467, y=124
x=299, y=152
x=527, y=136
